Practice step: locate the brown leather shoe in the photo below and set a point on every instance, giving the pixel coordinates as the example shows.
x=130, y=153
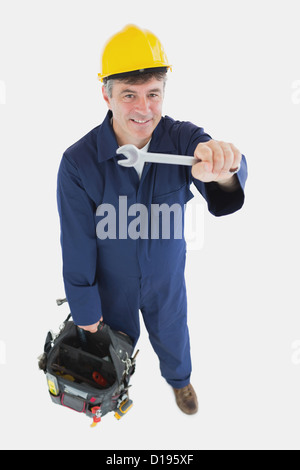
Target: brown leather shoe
x=186, y=399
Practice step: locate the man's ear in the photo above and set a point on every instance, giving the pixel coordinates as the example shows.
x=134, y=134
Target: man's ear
x=105, y=97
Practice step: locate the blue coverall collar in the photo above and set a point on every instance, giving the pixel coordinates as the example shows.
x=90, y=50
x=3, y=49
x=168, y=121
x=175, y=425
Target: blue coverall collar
x=107, y=142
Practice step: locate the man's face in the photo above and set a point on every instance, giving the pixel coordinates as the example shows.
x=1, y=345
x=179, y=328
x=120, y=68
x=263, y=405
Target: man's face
x=136, y=109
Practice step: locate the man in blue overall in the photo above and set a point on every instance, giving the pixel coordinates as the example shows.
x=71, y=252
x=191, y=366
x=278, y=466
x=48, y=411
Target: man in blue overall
x=110, y=271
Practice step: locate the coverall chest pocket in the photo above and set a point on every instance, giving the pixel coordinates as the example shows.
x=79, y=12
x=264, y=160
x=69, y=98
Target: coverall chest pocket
x=178, y=196
x=167, y=213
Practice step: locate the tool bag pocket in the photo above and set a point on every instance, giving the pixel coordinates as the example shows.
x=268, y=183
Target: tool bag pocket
x=75, y=403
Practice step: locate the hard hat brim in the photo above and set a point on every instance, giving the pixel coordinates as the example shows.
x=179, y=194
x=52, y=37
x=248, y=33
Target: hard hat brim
x=135, y=72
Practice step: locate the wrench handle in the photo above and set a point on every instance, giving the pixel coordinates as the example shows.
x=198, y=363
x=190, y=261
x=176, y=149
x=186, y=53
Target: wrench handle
x=174, y=159
x=168, y=158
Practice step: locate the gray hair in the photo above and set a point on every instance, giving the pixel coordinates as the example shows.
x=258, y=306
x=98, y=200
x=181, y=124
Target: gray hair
x=108, y=85
x=143, y=78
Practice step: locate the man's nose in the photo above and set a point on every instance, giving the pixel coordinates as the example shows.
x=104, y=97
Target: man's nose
x=143, y=105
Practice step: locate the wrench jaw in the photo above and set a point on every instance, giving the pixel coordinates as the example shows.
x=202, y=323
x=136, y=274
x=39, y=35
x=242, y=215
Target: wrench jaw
x=131, y=153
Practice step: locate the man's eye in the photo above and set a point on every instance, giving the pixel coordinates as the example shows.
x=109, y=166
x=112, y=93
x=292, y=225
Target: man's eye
x=129, y=96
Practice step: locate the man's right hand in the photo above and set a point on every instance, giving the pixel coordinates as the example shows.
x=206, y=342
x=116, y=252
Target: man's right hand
x=91, y=328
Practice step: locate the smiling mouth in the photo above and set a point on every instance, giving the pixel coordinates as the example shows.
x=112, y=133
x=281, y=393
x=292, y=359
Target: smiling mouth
x=137, y=121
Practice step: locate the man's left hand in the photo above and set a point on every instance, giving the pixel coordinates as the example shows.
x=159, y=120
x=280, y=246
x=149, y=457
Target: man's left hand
x=217, y=162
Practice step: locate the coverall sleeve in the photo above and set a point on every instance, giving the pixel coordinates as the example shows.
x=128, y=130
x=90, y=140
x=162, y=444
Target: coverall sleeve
x=79, y=245
x=219, y=202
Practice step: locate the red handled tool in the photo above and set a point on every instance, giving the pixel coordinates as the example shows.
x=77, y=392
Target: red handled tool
x=97, y=416
x=99, y=379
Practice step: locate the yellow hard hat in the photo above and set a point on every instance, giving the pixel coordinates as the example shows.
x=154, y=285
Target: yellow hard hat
x=132, y=50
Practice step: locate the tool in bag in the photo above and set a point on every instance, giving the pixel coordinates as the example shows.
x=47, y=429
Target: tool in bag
x=89, y=372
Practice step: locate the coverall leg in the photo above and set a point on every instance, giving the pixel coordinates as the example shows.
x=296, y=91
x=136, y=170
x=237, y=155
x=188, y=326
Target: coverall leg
x=164, y=309
x=120, y=300
x=162, y=301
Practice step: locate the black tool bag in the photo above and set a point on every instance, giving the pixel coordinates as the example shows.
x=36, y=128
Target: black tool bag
x=89, y=372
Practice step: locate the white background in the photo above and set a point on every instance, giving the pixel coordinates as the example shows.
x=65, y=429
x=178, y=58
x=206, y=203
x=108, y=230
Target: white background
x=234, y=68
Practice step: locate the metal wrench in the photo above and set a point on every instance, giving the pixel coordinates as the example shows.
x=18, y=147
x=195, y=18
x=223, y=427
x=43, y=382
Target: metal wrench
x=134, y=155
